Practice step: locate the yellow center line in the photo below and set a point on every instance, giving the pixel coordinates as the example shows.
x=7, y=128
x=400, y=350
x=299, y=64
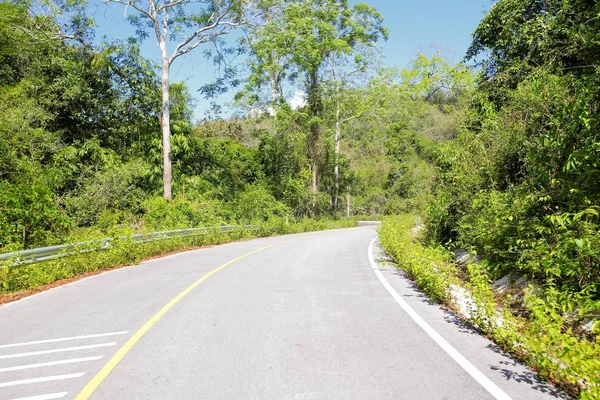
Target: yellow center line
x=92, y=385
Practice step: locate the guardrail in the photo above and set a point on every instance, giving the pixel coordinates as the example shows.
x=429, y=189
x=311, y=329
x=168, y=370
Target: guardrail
x=64, y=250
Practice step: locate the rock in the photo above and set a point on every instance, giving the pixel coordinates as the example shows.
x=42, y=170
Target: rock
x=509, y=283
x=464, y=257
x=503, y=284
x=522, y=282
x=588, y=327
x=417, y=229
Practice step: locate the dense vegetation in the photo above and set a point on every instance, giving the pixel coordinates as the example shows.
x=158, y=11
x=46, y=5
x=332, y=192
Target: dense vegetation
x=80, y=143
x=519, y=186
x=520, y=183
x=500, y=157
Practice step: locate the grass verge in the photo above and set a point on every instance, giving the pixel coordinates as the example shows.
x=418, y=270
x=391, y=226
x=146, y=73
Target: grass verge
x=541, y=337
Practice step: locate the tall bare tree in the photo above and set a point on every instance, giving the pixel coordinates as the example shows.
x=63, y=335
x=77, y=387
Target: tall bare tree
x=186, y=24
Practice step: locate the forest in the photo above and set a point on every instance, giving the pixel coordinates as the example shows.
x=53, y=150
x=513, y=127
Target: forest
x=81, y=148
x=498, y=153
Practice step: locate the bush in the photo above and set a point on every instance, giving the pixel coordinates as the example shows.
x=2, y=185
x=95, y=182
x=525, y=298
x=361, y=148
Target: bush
x=116, y=189
x=257, y=204
x=161, y=214
x=29, y=216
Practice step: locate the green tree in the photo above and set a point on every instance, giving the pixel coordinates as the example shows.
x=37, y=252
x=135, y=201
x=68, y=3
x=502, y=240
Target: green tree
x=306, y=35
x=518, y=36
x=188, y=24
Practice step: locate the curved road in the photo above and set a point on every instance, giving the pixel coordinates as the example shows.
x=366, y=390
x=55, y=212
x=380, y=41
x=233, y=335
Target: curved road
x=296, y=317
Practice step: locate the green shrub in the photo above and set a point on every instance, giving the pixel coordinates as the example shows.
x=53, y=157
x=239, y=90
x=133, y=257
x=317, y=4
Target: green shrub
x=429, y=267
x=30, y=215
x=116, y=189
x=256, y=203
x=161, y=214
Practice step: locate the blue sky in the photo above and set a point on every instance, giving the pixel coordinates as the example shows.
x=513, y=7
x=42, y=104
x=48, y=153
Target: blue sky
x=414, y=26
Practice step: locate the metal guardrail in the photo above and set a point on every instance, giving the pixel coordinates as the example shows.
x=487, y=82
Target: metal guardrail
x=368, y=223
x=64, y=250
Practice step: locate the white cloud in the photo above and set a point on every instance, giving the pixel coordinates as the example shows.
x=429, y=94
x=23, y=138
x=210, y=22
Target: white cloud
x=299, y=100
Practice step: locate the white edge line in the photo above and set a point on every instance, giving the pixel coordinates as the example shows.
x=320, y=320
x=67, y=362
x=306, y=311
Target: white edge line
x=59, y=350
x=45, y=396
x=483, y=380
x=42, y=379
x=50, y=363
x=64, y=339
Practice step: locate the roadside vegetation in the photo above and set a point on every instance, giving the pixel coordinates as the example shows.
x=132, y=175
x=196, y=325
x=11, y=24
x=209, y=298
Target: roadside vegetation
x=497, y=155
x=518, y=188
x=539, y=325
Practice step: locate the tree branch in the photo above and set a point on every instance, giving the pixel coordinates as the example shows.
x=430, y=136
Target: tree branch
x=131, y=3
x=361, y=115
x=197, y=38
x=171, y=4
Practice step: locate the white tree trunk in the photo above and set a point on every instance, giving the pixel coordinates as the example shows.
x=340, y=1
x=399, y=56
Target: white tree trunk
x=165, y=122
x=336, y=170
x=274, y=91
x=314, y=185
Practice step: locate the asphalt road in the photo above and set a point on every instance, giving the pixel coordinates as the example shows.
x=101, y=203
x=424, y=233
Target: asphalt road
x=306, y=317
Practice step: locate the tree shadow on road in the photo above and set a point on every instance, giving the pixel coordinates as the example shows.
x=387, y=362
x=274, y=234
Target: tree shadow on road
x=513, y=369
x=509, y=367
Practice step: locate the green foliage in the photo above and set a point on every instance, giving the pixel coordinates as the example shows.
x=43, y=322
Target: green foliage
x=161, y=214
x=427, y=266
x=225, y=166
x=117, y=189
x=519, y=184
x=518, y=36
x=257, y=204
x=29, y=215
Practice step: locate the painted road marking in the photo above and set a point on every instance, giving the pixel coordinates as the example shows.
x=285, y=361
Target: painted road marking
x=42, y=379
x=89, y=389
x=447, y=347
x=50, y=363
x=45, y=396
x=97, y=335
x=60, y=350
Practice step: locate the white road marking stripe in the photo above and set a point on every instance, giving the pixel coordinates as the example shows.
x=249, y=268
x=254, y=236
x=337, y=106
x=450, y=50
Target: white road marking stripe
x=50, y=363
x=45, y=396
x=483, y=380
x=61, y=350
x=97, y=335
x=42, y=379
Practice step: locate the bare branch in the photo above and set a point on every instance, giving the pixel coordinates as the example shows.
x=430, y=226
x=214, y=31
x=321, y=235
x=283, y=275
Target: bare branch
x=198, y=32
x=131, y=3
x=171, y=4
x=361, y=115
x=199, y=41
x=197, y=38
